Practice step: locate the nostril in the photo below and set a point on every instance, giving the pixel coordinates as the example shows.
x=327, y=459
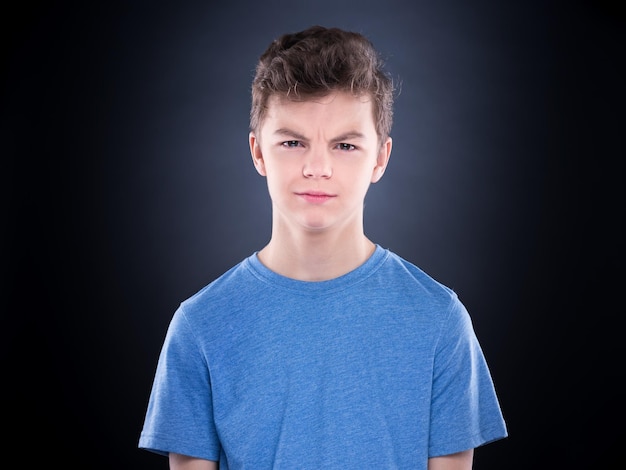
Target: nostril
x=317, y=167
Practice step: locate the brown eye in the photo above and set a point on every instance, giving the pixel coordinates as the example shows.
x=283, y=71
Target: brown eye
x=343, y=146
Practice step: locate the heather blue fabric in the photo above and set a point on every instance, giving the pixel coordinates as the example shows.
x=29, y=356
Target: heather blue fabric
x=379, y=368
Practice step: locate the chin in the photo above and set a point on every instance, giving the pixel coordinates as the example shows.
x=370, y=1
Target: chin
x=315, y=228
x=315, y=225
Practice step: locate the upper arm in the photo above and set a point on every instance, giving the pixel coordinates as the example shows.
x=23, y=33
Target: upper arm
x=459, y=461
x=184, y=462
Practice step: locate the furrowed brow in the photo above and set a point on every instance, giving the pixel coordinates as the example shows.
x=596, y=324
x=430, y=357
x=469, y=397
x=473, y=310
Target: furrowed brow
x=284, y=132
x=349, y=136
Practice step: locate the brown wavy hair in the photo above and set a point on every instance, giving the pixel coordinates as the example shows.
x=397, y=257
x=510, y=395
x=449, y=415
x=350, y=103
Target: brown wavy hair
x=318, y=61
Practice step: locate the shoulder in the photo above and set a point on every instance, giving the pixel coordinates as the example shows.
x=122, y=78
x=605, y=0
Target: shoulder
x=401, y=288
x=400, y=273
x=221, y=293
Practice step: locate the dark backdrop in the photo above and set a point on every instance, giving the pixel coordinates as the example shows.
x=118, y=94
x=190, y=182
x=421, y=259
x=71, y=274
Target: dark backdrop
x=127, y=186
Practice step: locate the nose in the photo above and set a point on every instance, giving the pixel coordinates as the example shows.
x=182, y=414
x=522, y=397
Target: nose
x=317, y=164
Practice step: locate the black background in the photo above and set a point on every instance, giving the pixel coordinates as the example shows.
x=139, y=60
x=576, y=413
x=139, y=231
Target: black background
x=128, y=185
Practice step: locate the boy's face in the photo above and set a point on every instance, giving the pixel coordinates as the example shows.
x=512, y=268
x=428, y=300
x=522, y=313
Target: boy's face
x=319, y=157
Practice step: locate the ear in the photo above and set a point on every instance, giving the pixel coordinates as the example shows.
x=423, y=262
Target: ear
x=257, y=155
x=382, y=160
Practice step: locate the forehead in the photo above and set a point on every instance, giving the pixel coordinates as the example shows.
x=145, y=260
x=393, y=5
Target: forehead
x=337, y=108
x=326, y=116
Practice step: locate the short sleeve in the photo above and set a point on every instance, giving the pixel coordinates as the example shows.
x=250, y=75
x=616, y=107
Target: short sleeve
x=465, y=412
x=179, y=417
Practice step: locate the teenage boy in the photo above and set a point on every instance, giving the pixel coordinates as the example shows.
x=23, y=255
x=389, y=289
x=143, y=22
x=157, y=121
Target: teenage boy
x=323, y=349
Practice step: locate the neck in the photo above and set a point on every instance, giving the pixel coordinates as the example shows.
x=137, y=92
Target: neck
x=316, y=256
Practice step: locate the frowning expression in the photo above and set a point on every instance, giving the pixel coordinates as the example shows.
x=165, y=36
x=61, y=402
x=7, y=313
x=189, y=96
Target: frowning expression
x=319, y=157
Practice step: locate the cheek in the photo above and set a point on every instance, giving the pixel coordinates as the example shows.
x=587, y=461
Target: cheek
x=364, y=173
x=277, y=178
x=283, y=169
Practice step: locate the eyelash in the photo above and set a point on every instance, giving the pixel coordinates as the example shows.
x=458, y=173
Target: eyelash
x=290, y=143
x=342, y=146
x=297, y=143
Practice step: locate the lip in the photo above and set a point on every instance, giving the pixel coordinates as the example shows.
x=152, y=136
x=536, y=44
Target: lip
x=315, y=197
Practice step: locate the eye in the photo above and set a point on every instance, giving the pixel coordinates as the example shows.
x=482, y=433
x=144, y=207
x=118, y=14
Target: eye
x=344, y=146
x=291, y=143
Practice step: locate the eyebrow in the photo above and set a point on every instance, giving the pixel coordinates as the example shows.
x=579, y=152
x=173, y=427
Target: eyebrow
x=289, y=133
x=296, y=135
x=349, y=136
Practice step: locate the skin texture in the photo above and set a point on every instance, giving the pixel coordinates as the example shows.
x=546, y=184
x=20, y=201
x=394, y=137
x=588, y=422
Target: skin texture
x=182, y=462
x=319, y=158
x=459, y=461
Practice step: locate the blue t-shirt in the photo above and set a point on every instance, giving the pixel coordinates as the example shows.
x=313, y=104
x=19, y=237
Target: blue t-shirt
x=379, y=368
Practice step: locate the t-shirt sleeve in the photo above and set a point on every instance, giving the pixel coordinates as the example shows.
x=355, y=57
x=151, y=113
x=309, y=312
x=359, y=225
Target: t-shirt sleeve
x=179, y=417
x=465, y=412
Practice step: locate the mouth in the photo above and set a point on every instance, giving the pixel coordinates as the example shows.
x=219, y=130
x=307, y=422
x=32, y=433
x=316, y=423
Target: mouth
x=315, y=197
